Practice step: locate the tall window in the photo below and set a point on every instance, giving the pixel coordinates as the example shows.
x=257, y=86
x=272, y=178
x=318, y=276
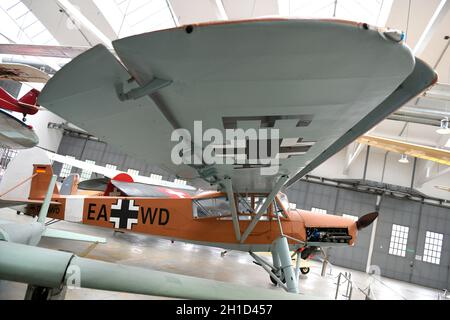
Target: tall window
x=111, y=167
x=133, y=172
x=66, y=168
x=179, y=181
x=155, y=177
x=433, y=247
x=399, y=240
x=86, y=173
x=318, y=210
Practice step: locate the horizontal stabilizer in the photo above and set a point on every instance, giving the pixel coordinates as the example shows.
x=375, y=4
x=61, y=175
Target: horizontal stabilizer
x=135, y=189
x=67, y=235
x=9, y=203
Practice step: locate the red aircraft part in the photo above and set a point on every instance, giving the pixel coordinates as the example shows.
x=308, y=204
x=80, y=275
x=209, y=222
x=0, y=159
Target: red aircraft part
x=120, y=177
x=25, y=105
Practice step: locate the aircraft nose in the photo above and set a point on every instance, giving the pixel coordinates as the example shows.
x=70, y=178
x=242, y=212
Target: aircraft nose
x=366, y=220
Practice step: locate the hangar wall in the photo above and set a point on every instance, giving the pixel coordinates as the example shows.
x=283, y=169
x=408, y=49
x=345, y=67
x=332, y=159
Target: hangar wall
x=308, y=195
x=411, y=268
x=103, y=154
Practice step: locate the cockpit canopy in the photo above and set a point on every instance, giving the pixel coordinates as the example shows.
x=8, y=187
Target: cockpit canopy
x=218, y=205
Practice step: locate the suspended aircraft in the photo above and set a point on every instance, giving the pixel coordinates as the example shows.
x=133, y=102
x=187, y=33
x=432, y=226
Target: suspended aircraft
x=320, y=83
x=15, y=134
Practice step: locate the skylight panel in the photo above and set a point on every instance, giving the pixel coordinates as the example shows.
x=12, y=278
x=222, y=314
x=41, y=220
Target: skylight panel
x=374, y=12
x=129, y=17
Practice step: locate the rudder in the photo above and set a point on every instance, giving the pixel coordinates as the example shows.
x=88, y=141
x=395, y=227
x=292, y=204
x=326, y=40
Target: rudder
x=30, y=99
x=42, y=174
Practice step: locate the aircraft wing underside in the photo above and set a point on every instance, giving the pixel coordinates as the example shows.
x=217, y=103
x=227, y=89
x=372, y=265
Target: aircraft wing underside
x=321, y=83
x=15, y=134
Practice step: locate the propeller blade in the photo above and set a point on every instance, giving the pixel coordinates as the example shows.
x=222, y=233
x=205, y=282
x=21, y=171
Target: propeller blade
x=366, y=220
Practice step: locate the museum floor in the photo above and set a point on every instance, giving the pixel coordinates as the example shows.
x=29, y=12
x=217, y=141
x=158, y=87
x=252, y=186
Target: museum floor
x=206, y=262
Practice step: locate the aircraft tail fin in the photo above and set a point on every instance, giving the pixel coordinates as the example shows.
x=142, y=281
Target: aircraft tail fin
x=5, y=97
x=30, y=98
x=42, y=175
x=70, y=185
x=61, y=234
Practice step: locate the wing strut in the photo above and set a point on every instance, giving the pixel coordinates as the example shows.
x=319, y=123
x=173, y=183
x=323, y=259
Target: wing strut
x=229, y=188
x=281, y=181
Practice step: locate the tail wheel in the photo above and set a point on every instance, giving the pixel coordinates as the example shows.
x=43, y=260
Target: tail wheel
x=304, y=270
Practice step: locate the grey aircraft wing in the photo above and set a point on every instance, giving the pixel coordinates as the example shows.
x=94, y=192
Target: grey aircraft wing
x=321, y=83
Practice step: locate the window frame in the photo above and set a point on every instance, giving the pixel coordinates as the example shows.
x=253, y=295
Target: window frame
x=434, y=241
x=398, y=241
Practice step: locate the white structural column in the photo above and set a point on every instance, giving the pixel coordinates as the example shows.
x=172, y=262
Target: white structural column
x=372, y=237
x=353, y=151
x=246, y=9
x=434, y=23
x=187, y=12
x=80, y=19
x=427, y=170
x=57, y=18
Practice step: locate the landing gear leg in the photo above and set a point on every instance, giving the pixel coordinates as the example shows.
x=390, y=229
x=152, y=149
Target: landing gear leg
x=281, y=247
x=276, y=266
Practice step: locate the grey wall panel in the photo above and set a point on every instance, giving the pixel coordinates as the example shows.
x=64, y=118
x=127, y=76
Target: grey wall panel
x=297, y=194
x=434, y=219
x=311, y=195
x=400, y=212
x=103, y=154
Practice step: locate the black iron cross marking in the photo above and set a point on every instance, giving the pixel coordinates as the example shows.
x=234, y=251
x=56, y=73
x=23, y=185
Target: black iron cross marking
x=303, y=120
x=124, y=214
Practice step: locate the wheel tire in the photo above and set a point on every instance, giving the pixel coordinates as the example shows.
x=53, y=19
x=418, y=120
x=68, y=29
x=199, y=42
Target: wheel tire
x=275, y=281
x=304, y=270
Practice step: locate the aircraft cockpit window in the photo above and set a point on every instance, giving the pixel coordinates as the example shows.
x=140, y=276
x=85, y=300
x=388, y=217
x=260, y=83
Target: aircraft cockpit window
x=249, y=205
x=279, y=210
x=284, y=200
x=212, y=207
x=259, y=201
x=245, y=204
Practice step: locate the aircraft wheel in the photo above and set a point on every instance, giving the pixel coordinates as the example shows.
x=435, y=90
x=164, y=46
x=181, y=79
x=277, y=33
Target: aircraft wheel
x=304, y=270
x=275, y=281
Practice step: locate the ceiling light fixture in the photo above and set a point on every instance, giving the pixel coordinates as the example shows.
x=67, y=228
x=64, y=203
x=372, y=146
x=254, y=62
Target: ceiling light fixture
x=404, y=159
x=444, y=127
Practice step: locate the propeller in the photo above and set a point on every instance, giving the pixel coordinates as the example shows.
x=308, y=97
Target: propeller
x=366, y=220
